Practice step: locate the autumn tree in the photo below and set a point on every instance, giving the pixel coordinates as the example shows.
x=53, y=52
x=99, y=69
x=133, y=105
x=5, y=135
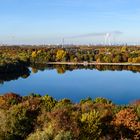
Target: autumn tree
x=60, y=55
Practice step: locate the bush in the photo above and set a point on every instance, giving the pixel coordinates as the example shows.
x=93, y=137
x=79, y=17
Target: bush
x=64, y=136
x=63, y=103
x=102, y=100
x=17, y=122
x=85, y=100
x=64, y=120
x=127, y=124
x=48, y=102
x=138, y=111
x=40, y=135
x=9, y=99
x=35, y=118
x=91, y=125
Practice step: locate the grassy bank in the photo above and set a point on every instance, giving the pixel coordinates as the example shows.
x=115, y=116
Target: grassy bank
x=36, y=117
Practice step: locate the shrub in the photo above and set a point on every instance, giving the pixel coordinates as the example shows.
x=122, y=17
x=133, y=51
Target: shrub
x=138, y=111
x=91, y=125
x=17, y=122
x=34, y=95
x=63, y=103
x=85, y=100
x=102, y=100
x=48, y=102
x=64, y=120
x=87, y=106
x=42, y=119
x=35, y=118
x=64, y=136
x=127, y=123
x=9, y=99
x=40, y=135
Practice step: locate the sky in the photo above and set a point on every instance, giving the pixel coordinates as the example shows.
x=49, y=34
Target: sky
x=49, y=21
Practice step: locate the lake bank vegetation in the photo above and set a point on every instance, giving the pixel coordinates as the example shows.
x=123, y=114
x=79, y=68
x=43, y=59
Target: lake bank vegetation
x=37, y=117
x=102, y=54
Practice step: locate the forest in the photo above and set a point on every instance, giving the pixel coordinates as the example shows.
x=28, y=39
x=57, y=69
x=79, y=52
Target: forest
x=36, y=117
x=36, y=54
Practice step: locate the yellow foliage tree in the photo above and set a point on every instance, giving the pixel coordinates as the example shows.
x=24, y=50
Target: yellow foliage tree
x=136, y=60
x=39, y=51
x=124, y=49
x=34, y=54
x=60, y=55
x=130, y=60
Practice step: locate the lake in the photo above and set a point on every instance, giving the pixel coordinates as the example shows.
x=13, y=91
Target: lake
x=121, y=85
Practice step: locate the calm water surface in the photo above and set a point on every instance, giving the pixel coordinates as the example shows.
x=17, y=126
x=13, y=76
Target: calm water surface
x=121, y=87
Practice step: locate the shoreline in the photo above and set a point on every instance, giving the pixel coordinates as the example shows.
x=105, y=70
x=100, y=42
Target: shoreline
x=92, y=63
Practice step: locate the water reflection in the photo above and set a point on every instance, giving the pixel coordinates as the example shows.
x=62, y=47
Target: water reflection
x=24, y=72
x=61, y=69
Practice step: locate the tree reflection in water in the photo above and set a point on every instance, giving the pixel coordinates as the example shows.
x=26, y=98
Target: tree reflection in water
x=24, y=72
x=64, y=68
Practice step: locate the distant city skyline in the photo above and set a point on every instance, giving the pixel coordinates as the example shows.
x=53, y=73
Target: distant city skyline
x=50, y=21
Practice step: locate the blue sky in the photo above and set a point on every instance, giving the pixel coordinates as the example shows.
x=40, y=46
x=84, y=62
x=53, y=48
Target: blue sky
x=48, y=21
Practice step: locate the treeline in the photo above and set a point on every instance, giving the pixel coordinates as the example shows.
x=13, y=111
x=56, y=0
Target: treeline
x=70, y=54
x=36, y=117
